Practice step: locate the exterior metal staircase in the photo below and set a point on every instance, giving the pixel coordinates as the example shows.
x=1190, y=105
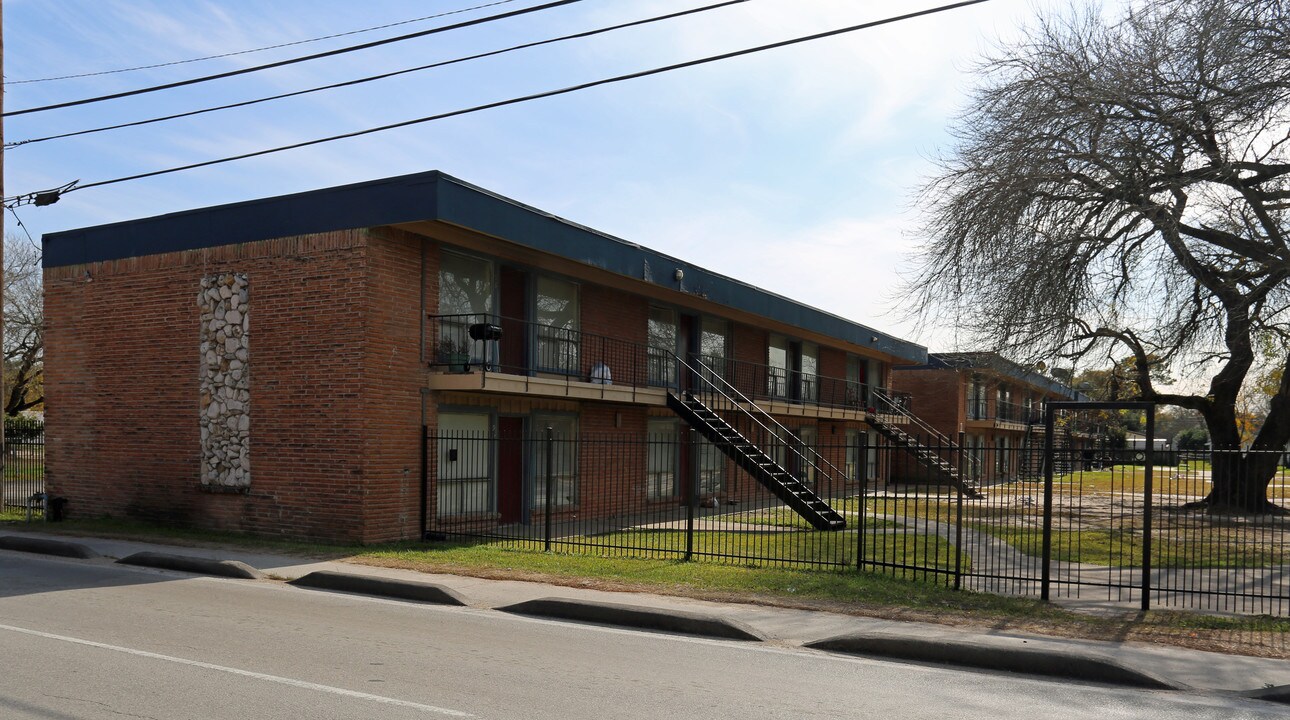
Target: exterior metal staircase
x=1062, y=455
x=749, y=455
x=929, y=457
x=792, y=491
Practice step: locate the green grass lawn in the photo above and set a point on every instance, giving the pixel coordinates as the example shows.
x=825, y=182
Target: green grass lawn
x=18, y=514
x=778, y=548
x=787, y=518
x=1211, y=548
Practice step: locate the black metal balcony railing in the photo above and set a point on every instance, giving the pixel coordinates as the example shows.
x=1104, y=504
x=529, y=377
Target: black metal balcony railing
x=490, y=343
x=1011, y=412
x=977, y=409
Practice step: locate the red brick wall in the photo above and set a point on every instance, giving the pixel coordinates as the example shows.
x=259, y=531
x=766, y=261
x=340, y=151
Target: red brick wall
x=614, y=323
x=122, y=393
x=390, y=395
x=938, y=397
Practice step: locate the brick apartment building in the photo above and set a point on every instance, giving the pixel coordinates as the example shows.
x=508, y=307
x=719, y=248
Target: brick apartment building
x=996, y=404
x=276, y=366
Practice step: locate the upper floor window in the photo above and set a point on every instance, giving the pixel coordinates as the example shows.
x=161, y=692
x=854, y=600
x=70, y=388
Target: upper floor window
x=808, y=378
x=556, y=313
x=661, y=336
x=466, y=297
x=976, y=401
x=777, y=367
x=714, y=342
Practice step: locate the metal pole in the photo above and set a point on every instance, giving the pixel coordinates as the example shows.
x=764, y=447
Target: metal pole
x=1046, y=578
x=425, y=480
x=862, y=470
x=1146, y=508
x=550, y=482
x=958, y=521
x=692, y=498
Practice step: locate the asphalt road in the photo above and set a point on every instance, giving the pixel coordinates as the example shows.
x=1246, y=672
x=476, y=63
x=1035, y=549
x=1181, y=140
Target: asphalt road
x=87, y=641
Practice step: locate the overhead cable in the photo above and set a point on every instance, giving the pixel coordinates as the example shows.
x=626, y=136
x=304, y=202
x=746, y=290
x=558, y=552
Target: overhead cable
x=512, y=101
x=382, y=76
x=292, y=61
x=259, y=49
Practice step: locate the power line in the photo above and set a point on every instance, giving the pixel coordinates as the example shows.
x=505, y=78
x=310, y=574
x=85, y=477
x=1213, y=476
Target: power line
x=31, y=241
x=44, y=197
x=382, y=76
x=259, y=49
x=292, y=61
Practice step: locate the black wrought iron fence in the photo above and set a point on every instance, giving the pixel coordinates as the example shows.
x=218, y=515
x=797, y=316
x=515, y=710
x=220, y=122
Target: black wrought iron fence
x=24, y=464
x=677, y=496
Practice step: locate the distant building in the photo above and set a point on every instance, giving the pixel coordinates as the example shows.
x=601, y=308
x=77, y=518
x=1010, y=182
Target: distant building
x=995, y=405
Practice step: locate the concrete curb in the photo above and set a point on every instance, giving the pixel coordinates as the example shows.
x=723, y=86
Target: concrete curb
x=188, y=563
x=44, y=546
x=379, y=586
x=1075, y=665
x=1280, y=694
x=635, y=616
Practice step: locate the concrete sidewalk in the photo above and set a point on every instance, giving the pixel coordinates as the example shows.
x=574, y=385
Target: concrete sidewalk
x=1125, y=663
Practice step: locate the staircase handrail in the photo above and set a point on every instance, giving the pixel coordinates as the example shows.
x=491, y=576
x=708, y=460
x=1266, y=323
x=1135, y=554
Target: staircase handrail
x=945, y=440
x=766, y=415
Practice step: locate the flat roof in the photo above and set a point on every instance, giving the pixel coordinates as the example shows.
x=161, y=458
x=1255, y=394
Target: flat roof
x=436, y=196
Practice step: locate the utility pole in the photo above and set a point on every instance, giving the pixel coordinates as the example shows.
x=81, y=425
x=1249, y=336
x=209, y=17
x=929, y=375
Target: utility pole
x=3, y=392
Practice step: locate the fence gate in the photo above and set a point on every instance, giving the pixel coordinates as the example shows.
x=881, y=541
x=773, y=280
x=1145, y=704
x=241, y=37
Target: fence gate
x=1097, y=512
x=1131, y=523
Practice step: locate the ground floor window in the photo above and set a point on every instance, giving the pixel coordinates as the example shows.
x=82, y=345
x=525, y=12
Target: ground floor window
x=807, y=439
x=711, y=467
x=564, y=461
x=862, y=455
x=465, y=464
x=975, y=456
x=662, y=461
x=1002, y=456
x=854, y=453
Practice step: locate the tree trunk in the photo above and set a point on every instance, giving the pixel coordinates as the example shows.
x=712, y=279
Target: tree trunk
x=1240, y=483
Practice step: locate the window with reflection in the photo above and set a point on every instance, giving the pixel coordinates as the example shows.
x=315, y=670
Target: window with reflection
x=464, y=479
x=808, y=379
x=661, y=338
x=467, y=286
x=556, y=313
x=564, y=461
x=713, y=343
x=662, y=459
x=777, y=367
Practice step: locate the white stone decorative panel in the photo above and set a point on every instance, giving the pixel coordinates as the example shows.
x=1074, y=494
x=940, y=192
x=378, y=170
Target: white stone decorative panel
x=225, y=381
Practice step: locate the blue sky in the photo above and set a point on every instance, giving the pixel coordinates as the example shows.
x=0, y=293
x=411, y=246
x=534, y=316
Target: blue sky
x=792, y=169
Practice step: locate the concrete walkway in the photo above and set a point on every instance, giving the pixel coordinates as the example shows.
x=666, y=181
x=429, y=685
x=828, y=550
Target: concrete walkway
x=1133, y=663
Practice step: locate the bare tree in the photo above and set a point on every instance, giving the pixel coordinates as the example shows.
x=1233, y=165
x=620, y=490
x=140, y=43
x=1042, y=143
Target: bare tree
x=1123, y=186
x=24, y=337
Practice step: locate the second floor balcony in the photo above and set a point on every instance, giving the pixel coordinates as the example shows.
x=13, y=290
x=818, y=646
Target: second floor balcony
x=509, y=355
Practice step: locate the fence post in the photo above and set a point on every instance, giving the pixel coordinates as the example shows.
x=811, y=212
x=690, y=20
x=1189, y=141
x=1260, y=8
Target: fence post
x=1046, y=577
x=692, y=497
x=425, y=481
x=958, y=520
x=862, y=470
x=1146, y=508
x=550, y=482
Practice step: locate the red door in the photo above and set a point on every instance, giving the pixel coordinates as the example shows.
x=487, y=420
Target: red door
x=510, y=469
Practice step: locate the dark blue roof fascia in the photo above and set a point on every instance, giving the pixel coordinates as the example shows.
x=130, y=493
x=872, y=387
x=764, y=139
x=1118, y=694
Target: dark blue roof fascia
x=482, y=211
x=433, y=196
x=379, y=202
